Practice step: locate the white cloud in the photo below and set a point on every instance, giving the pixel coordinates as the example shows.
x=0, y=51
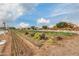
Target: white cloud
x=9, y=12
x=43, y=21
x=50, y=26
x=62, y=9
x=23, y=25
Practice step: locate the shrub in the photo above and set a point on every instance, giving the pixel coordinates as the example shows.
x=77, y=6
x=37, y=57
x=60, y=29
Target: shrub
x=32, y=34
x=26, y=33
x=43, y=36
x=37, y=36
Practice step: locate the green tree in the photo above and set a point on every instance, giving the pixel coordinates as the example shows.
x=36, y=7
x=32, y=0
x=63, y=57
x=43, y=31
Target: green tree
x=61, y=25
x=45, y=27
x=12, y=28
x=33, y=27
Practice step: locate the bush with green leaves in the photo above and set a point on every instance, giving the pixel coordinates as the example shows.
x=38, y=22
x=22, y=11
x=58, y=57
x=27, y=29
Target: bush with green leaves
x=37, y=36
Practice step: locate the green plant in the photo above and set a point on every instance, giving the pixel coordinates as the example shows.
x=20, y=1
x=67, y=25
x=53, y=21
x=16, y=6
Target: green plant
x=37, y=36
x=50, y=42
x=43, y=36
x=32, y=34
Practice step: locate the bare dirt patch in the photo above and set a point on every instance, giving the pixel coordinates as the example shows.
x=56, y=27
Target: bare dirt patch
x=69, y=47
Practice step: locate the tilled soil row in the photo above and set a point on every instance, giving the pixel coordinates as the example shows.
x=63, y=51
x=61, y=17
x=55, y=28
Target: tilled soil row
x=21, y=46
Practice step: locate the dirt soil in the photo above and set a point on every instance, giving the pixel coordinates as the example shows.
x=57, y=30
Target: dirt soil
x=68, y=47
x=6, y=48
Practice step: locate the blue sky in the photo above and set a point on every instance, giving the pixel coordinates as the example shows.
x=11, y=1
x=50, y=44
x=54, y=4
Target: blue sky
x=30, y=14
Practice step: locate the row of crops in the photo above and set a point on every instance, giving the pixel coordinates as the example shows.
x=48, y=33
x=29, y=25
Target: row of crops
x=42, y=37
